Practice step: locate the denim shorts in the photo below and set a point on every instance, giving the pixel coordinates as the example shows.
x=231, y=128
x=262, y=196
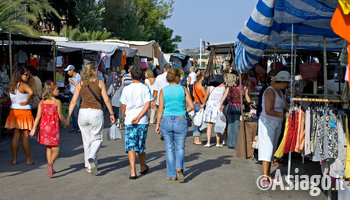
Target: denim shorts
x=135, y=138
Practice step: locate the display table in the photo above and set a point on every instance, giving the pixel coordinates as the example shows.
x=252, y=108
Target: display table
x=245, y=139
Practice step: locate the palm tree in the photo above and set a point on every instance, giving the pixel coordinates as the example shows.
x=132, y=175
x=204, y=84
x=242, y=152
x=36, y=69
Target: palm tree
x=18, y=16
x=96, y=35
x=13, y=17
x=69, y=32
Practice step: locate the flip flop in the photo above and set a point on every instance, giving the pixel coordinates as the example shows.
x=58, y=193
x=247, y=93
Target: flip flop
x=133, y=177
x=145, y=171
x=93, y=166
x=197, y=143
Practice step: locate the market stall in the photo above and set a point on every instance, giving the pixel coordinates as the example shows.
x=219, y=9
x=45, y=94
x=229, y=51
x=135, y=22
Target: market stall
x=296, y=26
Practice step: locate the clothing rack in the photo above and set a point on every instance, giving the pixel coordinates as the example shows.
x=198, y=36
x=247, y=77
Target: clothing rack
x=320, y=100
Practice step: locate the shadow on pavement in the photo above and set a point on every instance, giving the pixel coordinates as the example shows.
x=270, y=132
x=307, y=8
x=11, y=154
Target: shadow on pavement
x=204, y=166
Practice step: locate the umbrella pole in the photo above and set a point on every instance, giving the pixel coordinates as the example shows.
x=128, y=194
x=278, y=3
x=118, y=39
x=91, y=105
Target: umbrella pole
x=10, y=53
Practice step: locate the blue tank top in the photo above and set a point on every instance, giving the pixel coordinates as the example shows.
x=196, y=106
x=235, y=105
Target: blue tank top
x=174, y=100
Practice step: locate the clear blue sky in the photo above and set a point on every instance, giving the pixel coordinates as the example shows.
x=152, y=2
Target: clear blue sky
x=214, y=21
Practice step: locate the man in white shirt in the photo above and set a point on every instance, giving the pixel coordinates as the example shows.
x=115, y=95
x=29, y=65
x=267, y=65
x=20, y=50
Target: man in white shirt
x=136, y=99
x=160, y=83
x=73, y=80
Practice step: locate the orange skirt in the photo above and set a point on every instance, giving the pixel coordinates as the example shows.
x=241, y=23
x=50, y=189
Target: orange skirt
x=20, y=119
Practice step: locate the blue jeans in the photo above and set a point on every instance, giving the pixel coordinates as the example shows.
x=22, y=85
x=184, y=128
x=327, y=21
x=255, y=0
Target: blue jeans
x=75, y=113
x=174, y=131
x=196, y=131
x=233, y=114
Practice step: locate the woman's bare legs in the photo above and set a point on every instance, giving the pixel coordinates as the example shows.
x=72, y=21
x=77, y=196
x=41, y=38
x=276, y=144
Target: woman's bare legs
x=210, y=126
x=14, y=144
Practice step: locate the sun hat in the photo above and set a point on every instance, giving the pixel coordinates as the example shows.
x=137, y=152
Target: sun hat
x=281, y=76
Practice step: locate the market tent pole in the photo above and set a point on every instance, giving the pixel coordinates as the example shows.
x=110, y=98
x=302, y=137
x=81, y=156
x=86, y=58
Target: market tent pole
x=10, y=53
x=200, y=52
x=274, y=57
x=54, y=60
x=292, y=94
x=325, y=84
x=242, y=114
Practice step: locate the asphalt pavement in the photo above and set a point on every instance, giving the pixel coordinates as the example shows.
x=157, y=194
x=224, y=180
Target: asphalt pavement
x=210, y=173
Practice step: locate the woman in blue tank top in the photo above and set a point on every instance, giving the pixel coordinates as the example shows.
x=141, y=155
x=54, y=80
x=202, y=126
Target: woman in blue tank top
x=172, y=123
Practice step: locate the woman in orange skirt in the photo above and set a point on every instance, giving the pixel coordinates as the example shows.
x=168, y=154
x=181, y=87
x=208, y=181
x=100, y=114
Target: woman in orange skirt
x=20, y=118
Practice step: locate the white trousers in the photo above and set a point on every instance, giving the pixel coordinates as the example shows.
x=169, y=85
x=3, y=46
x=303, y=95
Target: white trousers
x=268, y=133
x=91, y=126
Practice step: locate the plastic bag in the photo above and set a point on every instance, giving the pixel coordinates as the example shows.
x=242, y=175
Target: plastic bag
x=114, y=133
x=198, y=118
x=203, y=126
x=220, y=124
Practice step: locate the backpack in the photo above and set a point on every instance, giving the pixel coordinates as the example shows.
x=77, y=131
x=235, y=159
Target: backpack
x=117, y=82
x=231, y=80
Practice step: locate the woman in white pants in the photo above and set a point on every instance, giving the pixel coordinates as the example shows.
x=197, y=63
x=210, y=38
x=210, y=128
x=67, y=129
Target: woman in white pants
x=90, y=118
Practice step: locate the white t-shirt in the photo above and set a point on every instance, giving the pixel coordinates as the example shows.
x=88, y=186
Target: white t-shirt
x=160, y=83
x=193, y=76
x=135, y=96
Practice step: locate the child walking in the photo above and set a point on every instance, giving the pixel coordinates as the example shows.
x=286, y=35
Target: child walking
x=49, y=111
x=136, y=99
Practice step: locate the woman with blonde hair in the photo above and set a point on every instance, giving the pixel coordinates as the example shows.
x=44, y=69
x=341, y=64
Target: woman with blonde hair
x=90, y=119
x=20, y=118
x=149, y=81
x=191, y=79
x=172, y=123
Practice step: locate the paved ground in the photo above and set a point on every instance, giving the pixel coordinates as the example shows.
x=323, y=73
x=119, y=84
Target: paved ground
x=210, y=174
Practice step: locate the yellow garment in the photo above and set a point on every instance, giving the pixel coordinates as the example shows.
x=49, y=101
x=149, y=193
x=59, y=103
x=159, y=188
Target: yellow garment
x=59, y=77
x=279, y=152
x=345, y=5
x=347, y=163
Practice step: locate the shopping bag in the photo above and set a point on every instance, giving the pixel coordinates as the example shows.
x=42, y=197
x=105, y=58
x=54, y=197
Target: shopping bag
x=198, y=118
x=220, y=124
x=114, y=133
x=203, y=126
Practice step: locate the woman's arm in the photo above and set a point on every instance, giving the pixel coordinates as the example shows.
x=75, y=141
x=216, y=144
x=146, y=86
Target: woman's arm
x=160, y=111
x=106, y=99
x=27, y=90
x=270, y=102
x=188, y=80
x=37, y=119
x=246, y=94
x=189, y=101
x=206, y=97
x=60, y=115
x=74, y=100
x=224, y=98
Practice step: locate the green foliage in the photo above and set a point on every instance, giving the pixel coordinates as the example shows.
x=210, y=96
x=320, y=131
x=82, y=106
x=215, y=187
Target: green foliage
x=77, y=35
x=19, y=16
x=88, y=13
x=140, y=20
x=96, y=35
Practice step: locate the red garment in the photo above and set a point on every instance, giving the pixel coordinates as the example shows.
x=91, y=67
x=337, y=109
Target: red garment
x=33, y=62
x=234, y=96
x=295, y=132
x=289, y=133
x=49, y=125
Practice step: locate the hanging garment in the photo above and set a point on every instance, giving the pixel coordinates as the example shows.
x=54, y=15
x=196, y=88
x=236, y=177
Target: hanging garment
x=314, y=118
x=347, y=163
x=301, y=132
x=337, y=167
x=295, y=132
x=279, y=152
x=289, y=133
x=327, y=136
x=307, y=141
x=345, y=5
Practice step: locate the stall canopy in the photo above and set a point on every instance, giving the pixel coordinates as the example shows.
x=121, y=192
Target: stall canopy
x=221, y=48
x=71, y=46
x=144, y=48
x=273, y=21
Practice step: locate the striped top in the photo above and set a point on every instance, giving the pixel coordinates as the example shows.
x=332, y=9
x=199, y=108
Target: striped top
x=127, y=80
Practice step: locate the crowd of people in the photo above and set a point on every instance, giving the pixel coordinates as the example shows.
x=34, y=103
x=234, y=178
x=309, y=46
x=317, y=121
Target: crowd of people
x=128, y=99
